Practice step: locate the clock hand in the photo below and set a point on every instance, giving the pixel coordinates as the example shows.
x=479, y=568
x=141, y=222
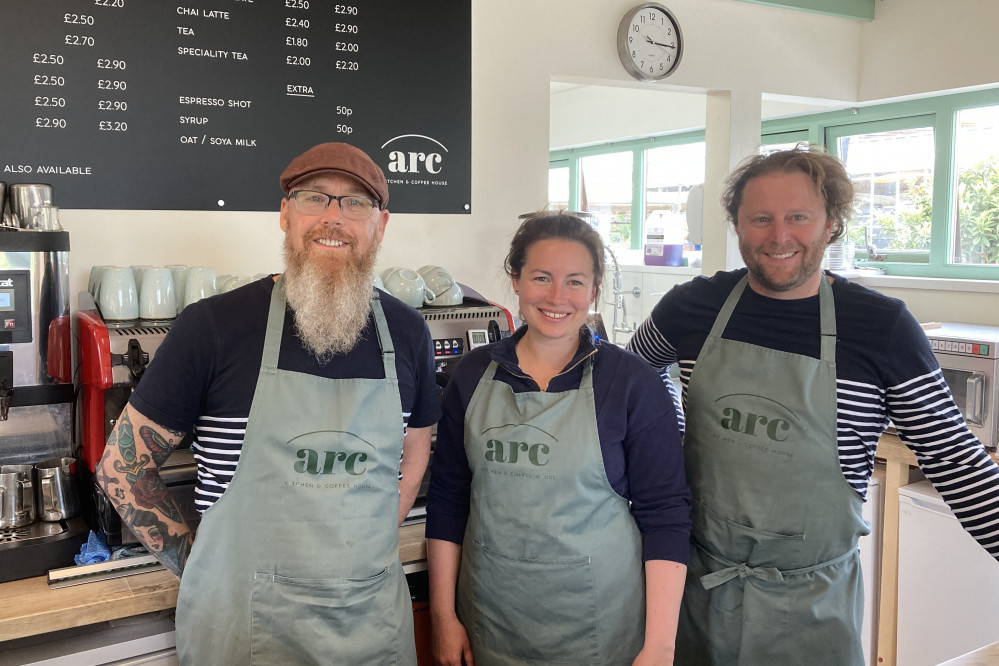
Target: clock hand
x=665, y=46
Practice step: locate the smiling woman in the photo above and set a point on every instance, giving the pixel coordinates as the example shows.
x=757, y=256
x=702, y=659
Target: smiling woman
x=558, y=467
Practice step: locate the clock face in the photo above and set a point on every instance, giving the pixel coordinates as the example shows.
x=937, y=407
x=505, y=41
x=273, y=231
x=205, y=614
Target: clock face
x=649, y=42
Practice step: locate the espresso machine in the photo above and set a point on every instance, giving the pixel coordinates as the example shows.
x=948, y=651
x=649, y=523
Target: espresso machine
x=112, y=358
x=36, y=399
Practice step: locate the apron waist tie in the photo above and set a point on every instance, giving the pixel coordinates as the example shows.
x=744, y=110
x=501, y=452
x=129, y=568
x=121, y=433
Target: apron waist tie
x=742, y=570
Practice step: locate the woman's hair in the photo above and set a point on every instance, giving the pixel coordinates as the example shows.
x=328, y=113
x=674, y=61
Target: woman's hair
x=546, y=225
x=829, y=175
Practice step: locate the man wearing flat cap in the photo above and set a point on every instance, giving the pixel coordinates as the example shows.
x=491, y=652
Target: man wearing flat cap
x=302, y=392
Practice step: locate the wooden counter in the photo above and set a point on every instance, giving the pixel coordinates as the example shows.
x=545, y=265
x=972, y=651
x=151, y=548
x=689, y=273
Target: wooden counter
x=898, y=460
x=986, y=656
x=30, y=607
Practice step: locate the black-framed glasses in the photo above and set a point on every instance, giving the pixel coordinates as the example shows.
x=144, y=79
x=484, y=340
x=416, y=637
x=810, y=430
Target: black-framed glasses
x=352, y=206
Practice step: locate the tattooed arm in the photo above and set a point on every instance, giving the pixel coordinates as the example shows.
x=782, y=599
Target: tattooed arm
x=129, y=475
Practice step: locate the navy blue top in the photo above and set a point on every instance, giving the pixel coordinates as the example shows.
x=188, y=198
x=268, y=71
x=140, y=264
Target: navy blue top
x=639, y=439
x=209, y=361
x=204, y=374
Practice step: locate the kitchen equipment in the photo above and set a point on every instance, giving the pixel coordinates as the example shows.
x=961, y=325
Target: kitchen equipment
x=57, y=496
x=451, y=329
x=17, y=495
x=36, y=390
x=113, y=357
x=947, y=601
x=23, y=196
x=969, y=358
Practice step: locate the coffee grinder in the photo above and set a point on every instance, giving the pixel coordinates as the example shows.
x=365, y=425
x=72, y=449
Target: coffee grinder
x=36, y=389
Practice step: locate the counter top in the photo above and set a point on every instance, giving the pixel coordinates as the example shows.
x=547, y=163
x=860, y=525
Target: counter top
x=986, y=656
x=30, y=607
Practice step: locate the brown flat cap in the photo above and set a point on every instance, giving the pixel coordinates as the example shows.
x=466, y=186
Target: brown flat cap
x=339, y=158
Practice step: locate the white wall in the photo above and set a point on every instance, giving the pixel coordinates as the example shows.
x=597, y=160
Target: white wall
x=519, y=46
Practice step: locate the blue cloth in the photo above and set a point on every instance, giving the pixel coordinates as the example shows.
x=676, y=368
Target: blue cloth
x=95, y=550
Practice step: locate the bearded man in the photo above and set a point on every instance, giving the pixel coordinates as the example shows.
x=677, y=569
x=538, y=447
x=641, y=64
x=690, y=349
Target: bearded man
x=302, y=391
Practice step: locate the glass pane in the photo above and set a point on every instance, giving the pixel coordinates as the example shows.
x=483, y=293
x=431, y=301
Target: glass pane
x=975, y=233
x=892, y=174
x=670, y=172
x=605, y=190
x=768, y=148
x=558, y=188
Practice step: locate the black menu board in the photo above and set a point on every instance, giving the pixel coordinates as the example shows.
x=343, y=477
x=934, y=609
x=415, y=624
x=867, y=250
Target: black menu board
x=199, y=105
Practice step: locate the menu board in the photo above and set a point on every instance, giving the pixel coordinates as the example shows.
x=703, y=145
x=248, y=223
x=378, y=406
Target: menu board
x=199, y=105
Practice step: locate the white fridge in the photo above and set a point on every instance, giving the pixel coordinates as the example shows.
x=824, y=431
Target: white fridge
x=948, y=586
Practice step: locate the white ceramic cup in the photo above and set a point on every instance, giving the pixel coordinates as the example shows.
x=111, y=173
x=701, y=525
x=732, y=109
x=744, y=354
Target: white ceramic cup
x=452, y=296
x=139, y=271
x=200, y=284
x=388, y=271
x=94, y=282
x=437, y=278
x=157, y=296
x=118, y=298
x=179, y=273
x=408, y=286
x=240, y=281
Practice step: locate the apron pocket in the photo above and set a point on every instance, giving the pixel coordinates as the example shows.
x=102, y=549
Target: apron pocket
x=743, y=543
x=309, y=620
x=535, y=610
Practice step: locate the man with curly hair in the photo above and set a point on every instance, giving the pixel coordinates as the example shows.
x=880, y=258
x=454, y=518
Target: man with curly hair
x=790, y=374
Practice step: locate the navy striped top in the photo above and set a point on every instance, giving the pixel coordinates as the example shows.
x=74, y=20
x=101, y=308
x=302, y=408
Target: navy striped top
x=885, y=372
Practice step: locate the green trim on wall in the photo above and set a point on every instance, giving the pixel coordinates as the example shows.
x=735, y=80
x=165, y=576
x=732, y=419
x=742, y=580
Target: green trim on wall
x=861, y=10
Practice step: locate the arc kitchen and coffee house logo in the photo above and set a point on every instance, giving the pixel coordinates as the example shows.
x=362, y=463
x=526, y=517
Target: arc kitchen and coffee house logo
x=415, y=159
x=331, y=459
x=758, y=422
x=516, y=449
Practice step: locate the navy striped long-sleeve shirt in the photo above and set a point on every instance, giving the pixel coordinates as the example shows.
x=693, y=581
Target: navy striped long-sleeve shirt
x=885, y=371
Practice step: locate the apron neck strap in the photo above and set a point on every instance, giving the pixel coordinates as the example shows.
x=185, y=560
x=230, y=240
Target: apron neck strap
x=275, y=328
x=827, y=315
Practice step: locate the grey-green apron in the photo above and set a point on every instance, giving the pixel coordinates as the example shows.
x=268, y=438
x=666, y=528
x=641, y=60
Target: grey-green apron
x=774, y=575
x=298, y=561
x=551, y=569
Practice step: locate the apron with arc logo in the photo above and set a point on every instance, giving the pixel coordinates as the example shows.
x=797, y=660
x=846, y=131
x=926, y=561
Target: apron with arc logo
x=551, y=569
x=298, y=561
x=774, y=574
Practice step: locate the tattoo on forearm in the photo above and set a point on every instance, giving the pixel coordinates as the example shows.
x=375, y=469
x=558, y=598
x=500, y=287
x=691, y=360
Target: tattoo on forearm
x=158, y=445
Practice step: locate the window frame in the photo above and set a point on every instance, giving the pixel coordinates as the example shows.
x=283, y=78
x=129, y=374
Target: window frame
x=941, y=112
x=571, y=156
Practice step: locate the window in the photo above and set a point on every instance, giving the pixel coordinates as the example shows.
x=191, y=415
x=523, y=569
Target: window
x=670, y=171
x=621, y=184
x=927, y=179
x=605, y=190
x=558, y=187
x=975, y=232
x=892, y=173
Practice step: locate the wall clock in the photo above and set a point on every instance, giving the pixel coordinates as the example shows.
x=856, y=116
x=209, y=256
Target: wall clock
x=649, y=42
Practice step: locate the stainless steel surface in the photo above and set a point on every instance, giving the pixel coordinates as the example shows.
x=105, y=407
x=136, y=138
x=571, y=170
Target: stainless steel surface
x=49, y=295
x=22, y=486
x=57, y=494
x=22, y=196
x=32, y=532
x=89, y=573
x=969, y=359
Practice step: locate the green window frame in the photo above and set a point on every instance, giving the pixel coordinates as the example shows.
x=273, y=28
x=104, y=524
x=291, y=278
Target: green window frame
x=938, y=112
x=571, y=156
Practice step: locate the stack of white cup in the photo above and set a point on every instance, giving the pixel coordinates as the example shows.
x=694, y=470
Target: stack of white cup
x=149, y=293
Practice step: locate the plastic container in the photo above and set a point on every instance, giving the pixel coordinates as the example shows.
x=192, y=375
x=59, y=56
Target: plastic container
x=664, y=238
